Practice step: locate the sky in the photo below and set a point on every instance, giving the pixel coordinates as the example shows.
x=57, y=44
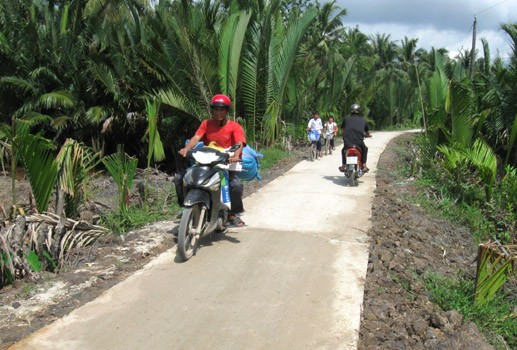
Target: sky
x=435, y=23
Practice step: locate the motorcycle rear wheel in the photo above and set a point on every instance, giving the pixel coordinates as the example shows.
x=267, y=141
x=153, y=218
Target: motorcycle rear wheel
x=352, y=176
x=189, y=221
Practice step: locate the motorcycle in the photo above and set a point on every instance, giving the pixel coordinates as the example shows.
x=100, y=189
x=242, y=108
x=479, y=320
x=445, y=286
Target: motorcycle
x=354, y=167
x=207, y=197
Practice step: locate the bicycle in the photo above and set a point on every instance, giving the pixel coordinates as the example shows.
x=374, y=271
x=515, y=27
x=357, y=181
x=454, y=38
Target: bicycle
x=313, y=141
x=328, y=136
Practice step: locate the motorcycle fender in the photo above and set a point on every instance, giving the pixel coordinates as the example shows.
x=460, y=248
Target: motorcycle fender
x=195, y=196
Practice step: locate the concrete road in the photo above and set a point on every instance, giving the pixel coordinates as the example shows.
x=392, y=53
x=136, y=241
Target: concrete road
x=292, y=279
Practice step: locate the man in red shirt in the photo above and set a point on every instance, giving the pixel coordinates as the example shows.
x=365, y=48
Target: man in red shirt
x=224, y=133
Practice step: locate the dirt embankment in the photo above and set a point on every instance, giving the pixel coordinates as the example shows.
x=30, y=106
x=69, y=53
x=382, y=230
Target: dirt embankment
x=406, y=244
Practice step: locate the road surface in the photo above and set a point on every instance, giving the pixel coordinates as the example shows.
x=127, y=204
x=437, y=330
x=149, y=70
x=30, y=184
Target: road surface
x=291, y=279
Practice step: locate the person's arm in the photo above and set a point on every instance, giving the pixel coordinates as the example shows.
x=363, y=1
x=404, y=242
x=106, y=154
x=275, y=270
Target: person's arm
x=240, y=139
x=237, y=154
x=191, y=144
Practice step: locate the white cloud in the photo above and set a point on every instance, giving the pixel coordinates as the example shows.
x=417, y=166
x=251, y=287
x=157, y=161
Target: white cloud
x=435, y=23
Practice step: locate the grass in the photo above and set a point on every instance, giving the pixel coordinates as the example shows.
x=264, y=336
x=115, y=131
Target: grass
x=163, y=206
x=271, y=157
x=494, y=320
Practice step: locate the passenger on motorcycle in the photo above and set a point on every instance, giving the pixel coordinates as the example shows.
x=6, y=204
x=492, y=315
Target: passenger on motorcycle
x=224, y=133
x=316, y=125
x=354, y=129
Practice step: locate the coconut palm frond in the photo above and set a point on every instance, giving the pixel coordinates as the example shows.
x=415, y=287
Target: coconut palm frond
x=495, y=264
x=38, y=158
x=19, y=84
x=155, y=150
x=35, y=118
x=484, y=159
x=230, y=48
x=453, y=157
x=249, y=80
x=122, y=168
x=41, y=73
x=180, y=101
x=57, y=99
x=61, y=122
x=270, y=123
x=512, y=138
x=75, y=161
x=288, y=48
x=96, y=114
x=460, y=97
x=106, y=77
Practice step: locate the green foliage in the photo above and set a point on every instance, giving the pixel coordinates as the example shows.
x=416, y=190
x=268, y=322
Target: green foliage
x=75, y=162
x=162, y=207
x=33, y=260
x=494, y=319
x=122, y=168
x=495, y=264
x=50, y=260
x=38, y=157
x=6, y=271
x=272, y=156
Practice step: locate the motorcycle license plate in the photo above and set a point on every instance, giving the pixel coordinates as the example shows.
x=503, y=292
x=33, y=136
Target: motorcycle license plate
x=351, y=160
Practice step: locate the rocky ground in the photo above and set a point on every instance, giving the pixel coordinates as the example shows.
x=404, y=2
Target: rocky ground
x=398, y=313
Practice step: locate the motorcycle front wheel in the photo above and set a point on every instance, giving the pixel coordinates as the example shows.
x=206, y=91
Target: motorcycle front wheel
x=187, y=244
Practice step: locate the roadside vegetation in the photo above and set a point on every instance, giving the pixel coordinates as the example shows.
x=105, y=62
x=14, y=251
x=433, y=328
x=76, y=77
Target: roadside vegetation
x=90, y=86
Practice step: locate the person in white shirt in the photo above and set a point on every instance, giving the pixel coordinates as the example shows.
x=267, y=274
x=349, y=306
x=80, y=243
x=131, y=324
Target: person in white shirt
x=331, y=127
x=315, y=125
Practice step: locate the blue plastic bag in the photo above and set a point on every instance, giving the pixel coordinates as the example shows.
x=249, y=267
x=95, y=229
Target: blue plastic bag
x=250, y=164
x=198, y=145
x=314, y=135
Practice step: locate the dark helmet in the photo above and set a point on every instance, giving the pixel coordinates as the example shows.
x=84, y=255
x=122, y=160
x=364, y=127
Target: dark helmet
x=355, y=109
x=220, y=100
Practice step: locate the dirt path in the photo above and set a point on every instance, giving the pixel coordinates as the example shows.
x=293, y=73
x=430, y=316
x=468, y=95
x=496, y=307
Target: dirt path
x=393, y=318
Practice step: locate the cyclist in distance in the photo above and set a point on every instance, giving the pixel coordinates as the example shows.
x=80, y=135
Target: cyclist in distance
x=315, y=125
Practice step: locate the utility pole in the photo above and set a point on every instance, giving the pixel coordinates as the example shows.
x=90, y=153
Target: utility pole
x=473, y=52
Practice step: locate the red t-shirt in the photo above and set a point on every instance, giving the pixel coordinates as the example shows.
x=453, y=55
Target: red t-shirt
x=224, y=136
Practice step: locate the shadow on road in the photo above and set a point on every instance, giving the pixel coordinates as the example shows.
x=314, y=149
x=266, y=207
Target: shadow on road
x=208, y=241
x=340, y=180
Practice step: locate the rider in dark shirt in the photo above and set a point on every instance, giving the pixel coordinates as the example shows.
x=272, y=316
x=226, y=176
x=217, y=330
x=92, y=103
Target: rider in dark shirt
x=354, y=129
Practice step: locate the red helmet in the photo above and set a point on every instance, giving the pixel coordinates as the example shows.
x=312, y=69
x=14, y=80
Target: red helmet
x=221, y=101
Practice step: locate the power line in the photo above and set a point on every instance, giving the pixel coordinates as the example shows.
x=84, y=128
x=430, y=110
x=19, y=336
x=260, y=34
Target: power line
x=488, y=8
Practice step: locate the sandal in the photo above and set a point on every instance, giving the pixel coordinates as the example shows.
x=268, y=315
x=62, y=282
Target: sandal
x=342, y=169
x=235, y=221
